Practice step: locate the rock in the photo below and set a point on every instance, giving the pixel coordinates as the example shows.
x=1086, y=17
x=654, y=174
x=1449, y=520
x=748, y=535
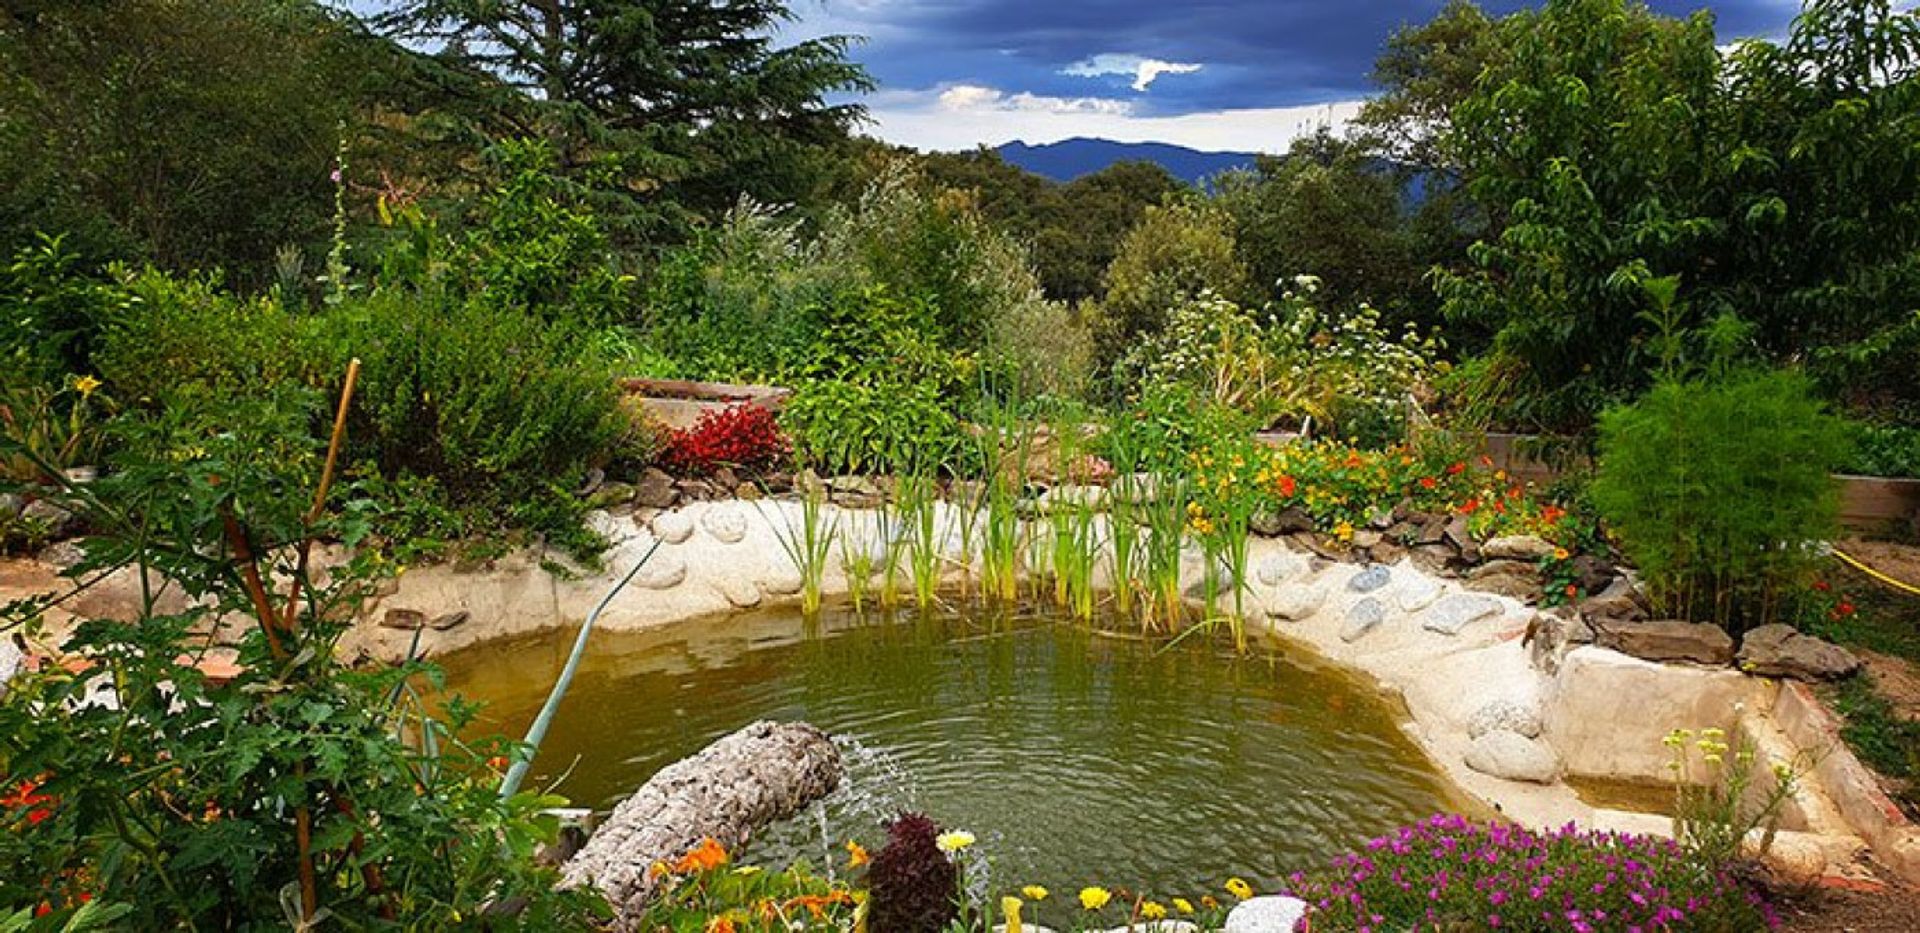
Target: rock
x=1264, y=523
x=762, y=773
x=784, y=582
x=59, y=522
x=1433, y=558
x=1456, y=533
x=672, y=527
x=725, y=480
x=695, y=490
x=1363, y=617
x=447, y=620
x=1276, y=569
x=747, y=492
x=1620, y=601
x=1381, y=520
x=1511, y=756
x=591, y=484
x=1293, y=519
x=1266, y=914
x=856, y=492
x=1308, y=541
x=1372, y=578
x=1511, y=578
x=1417, y=592
x=663, y=572
x=1593, y=574
x=610, y=496
x=1366, y=538
x=11, y=504
x=1667, y=640
x=1504, y=716
x=1456, y=612
x=726, y=523
x=1432, y=531
x=1550, y=635
x=406, y=620
x=809, y=483
x=1781, y=651
x=62, y=555
x=1388, y=551
x=777, y=482
x=655, y=490
x=741, y=593
x=1517, y=547
x=1296, y=602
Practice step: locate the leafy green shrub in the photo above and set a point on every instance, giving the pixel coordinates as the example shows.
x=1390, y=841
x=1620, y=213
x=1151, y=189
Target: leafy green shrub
x=179, y=330
x=1717, y=490
x=52, y=307
x=1177, y=251
x=1885, y=450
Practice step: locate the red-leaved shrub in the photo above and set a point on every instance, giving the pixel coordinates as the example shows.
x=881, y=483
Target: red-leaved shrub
x=744, y=437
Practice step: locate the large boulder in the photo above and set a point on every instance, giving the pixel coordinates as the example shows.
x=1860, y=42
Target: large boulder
x=1667, y=640
x=1296, y=601
x=1782, y=651
x=1620, y=601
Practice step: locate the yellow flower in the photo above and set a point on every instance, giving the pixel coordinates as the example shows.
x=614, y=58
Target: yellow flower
x=1239, y=888
x=954, y=841
x=746, y=870
x=1010, y=908
x=856, y=855
x=1560, y=553
x=1183, y=905
x=1343, y=531
x=1034, y=892
x=86, y=385
x=1153, y=910
x=1095, y=898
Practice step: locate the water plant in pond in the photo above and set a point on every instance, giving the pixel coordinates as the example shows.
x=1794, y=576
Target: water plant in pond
x=921, y=539
x=1166, y=521
x=859, y=542
x=964, y=504
x=808, y=541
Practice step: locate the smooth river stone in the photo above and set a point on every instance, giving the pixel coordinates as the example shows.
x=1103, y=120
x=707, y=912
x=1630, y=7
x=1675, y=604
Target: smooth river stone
x=1452, y=614
x=1417, y=592
x=1513, y=757
x=672, y=527
x=785, y=582
x=663, y=572
x=1296, y=602
x=1279, y=568
x=1363, y=617
x=1370, y=579
x=726, y=523
x=1266, y=914
x=741, y=593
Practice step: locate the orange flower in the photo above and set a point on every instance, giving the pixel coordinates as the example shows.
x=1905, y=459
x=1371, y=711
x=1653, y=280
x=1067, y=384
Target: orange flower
x=1287, y=485
x=1428, y=482
x=707, y=856
x=1573, y=591
x=817, y=904
x=721, y=925
x=1456, y=468
x=1470, y=506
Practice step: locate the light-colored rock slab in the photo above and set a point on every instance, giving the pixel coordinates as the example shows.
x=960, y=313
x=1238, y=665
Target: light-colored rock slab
x=1373, y=577
x=725, y=522
x=785, y=581
x=664, y=572
x=672, y=527
x=1362, y=617
x=1456, y=612
x=1296, y=601
x=1513, y=757
x=1266, y=914
x=1504, y=716
x=1279, y=568
x=1517, y=547
x=1417, y=592
x=741, y=592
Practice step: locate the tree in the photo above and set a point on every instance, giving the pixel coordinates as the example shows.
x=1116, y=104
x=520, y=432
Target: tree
x=662, y=104
x=1178, y=250
x=1426, y=71
x=191, y=135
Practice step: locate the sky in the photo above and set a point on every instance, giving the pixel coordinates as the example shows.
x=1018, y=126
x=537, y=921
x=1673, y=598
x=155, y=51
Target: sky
x=1237, y=75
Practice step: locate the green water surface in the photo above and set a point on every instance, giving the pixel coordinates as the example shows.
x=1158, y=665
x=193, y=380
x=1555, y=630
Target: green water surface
x=1076, y=757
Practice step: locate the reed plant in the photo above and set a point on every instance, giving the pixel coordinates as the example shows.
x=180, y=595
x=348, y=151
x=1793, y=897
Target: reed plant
x=1006, y=448
x=891, y=554
x=808, y=541
x=857, y=564
x=1125, y=493
x=1166, y=522
x=921, y=539
x=965, y=501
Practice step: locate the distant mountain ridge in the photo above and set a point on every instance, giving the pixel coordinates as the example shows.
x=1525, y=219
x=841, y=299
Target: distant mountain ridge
x=1069, y=159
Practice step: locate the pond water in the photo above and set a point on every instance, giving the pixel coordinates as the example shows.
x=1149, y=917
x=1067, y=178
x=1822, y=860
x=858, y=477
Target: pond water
x=1076, y=757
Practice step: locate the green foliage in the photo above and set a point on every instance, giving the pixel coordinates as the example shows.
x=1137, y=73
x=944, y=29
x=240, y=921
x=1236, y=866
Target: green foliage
x=1885, y=450
x=1879, y=734
x=1178, y=250
x=1718, y=490
x=52, y=305
x=186, y=802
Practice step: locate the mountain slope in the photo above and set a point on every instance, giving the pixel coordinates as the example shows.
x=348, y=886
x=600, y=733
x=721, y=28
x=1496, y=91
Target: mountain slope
x=1071, y=158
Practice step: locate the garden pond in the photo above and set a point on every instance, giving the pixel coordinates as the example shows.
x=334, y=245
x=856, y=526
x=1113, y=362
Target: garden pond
x=1076, y=756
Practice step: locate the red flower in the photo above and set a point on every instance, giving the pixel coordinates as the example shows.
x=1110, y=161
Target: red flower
x=744, y=436
x=1470, y=506
x=1573, y=590
x=1822, y=585
x=1428, y=482
x=1287, y=486
x=28, y=797
x=1845, y=608
x=1456, y=468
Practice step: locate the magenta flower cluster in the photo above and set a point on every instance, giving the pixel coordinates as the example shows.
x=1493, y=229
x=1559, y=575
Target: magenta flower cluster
x=1447, y=872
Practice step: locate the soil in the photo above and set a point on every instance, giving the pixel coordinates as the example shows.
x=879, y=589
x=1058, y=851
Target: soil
x=1897, y=680
x=1841, y=910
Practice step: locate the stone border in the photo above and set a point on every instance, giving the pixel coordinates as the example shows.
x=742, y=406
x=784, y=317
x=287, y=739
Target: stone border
x=1506, y=701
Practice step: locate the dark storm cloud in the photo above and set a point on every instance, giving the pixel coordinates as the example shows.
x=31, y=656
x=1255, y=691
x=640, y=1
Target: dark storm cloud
x=1254, y=54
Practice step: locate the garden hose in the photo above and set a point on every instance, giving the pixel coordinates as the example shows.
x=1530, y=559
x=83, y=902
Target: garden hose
x=1855, y=563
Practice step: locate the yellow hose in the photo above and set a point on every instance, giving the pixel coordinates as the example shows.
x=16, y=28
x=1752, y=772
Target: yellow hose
x=1855, y=563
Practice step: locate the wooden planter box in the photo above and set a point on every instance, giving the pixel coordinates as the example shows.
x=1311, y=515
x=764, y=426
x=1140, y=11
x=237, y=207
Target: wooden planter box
x=678, y=404
x=1870, y=503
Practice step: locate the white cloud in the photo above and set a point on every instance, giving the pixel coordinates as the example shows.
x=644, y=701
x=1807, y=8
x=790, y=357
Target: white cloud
x=1143, y=69
x=962, y=116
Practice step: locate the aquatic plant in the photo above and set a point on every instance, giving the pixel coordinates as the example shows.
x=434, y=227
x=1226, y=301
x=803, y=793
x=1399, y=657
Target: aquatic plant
x=921, y=540
x=1001, y=560
x=808, y=541
x=857, y=562
x=1166, y=522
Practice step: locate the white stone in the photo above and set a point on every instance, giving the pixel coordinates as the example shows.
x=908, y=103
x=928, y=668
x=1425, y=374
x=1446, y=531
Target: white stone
x=1452, y=614
x=1417, y=592
x=1504, y=716
x=1296, y=602
x=725, y=522
x=10, y=660
x=1276, y=569
x=673, y=527
x=1513, y=757
x=1372, y=578
x=1266, y=914
x=1363, y=617
x=741, y=593
x=663, y=572
x=783, y=582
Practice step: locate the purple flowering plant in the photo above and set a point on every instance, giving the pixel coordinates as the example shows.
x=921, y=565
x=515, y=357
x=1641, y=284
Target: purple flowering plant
x=1449, y=873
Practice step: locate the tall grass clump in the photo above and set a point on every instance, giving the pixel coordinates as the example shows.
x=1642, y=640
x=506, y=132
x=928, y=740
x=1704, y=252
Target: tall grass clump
x=1007, y=446
x=1719, y=489
x=857, y=560
x=1166, y=524
x=921, y=540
